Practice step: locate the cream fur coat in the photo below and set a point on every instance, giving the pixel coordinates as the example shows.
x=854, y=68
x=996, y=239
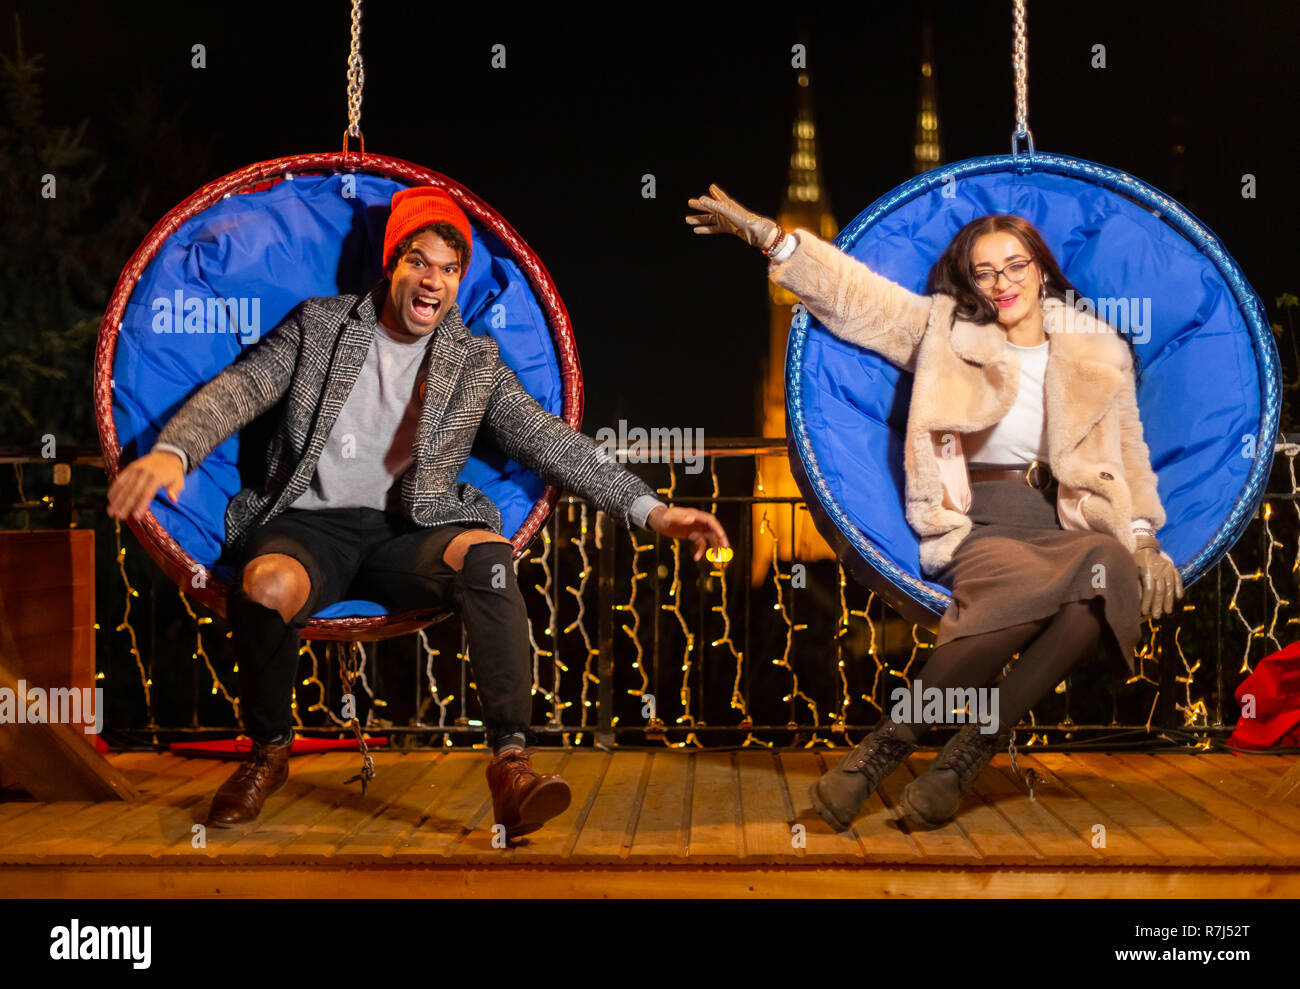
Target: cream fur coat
x=966, y=379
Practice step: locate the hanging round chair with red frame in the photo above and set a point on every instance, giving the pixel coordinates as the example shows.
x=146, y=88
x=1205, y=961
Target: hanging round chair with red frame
x=225, y=266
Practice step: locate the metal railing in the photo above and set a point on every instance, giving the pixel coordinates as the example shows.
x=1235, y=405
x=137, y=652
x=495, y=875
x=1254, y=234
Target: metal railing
x=633, y=643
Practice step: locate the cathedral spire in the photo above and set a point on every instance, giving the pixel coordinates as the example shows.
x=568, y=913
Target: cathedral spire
x=927, y=152
x=805, y=205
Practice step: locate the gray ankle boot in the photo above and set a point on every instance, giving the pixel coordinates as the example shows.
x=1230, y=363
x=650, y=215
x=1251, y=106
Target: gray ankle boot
x=933, y=798
x=839, y=795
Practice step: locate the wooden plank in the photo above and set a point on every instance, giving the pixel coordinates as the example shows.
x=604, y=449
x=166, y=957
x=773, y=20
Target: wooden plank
x=11, y=809
x=584, y=770
x=607, y=832
x=801, y=770
x=1229, y=780
x=1281, y=840
x=1204, y=813
x=386, y=834
x=948, y=844
x=1240, y=767
x=767, y=812
x=46, y=815
x=1081, y=815
x=1055, y=842
x=167, y=822
x=1275, y=764
x=1228, y=845
x=83, y=844
x=878, y=828
x=400, y=811
x=463, y=807
x=394, y=773
x=997, y=840
x=144, y=760
x=1164, y=836
x=664, y=824
x=84, y=825
x=28, y=847
x=315, y=787
x=716, y=823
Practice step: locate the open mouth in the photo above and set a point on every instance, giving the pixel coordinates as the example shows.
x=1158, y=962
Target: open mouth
x=425, y=308
x=1004, y=301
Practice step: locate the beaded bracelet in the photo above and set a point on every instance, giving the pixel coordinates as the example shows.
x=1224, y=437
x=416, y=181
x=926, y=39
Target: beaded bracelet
x=777, y=244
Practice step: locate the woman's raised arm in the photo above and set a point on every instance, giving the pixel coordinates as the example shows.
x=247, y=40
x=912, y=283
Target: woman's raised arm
x=850, y=299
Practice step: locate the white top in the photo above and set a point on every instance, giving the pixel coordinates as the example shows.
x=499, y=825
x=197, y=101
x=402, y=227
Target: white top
x=372, y=442
x=1021, y=435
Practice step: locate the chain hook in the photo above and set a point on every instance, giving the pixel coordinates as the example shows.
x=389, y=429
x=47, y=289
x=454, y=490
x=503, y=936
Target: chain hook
x=1020, y=64
x=356, y=82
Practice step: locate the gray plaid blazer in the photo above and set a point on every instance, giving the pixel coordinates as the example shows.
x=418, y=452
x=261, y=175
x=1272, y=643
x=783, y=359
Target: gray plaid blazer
x=312, y=358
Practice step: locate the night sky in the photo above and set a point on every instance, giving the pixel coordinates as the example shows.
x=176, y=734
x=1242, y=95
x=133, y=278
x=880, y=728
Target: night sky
x=671, y=327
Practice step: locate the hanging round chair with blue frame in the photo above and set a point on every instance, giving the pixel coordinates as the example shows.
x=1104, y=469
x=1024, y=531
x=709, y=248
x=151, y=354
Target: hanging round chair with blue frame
x=1208, y=392
x=257, y=242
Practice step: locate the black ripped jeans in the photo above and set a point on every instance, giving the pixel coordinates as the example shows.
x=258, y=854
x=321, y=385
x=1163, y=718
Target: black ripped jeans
x=370, y=555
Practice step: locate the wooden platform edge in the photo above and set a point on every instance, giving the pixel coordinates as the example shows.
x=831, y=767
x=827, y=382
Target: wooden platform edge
x=619, y=882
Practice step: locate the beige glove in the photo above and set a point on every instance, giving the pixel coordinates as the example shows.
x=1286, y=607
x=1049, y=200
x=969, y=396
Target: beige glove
x=1160, y=579
x=723, y=215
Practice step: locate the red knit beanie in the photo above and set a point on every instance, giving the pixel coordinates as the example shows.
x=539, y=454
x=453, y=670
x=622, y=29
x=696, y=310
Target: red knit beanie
x=420, y=206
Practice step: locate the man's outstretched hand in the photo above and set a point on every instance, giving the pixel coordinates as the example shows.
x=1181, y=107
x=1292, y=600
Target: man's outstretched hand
x=702, y=529
x=134, y=488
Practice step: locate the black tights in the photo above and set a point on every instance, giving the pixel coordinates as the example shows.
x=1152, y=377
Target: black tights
x=1050, y=649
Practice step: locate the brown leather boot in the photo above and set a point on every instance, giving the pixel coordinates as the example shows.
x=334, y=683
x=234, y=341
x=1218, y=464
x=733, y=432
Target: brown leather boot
x=523, y=800
x=239, y=799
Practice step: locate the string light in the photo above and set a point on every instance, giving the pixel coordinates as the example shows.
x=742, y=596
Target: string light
x=1193, y=709
x=131, y=592
x=552, y=696
x=790, y=626
x=313, y=679
x=201, y=653
x=440, y=703
x=685, y=692
x=588, y=677
x=632, y=631
x=722, y=557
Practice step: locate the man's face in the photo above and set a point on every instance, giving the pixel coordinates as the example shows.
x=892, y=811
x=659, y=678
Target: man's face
x=422, y=286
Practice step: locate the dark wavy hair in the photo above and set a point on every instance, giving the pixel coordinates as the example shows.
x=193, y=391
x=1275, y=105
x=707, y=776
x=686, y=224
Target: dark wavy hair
x=454, y=238
x=954, y=274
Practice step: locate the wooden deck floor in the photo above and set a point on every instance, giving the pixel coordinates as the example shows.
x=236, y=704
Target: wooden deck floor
x=671, y=823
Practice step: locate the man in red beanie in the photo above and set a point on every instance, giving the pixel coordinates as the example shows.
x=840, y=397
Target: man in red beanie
x=384, y=394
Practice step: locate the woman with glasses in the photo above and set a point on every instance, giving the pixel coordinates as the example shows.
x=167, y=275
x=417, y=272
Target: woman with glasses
x=1027, y=479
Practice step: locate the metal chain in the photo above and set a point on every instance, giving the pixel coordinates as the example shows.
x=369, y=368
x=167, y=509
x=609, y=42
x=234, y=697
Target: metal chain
x=348, y=673
x=1028, y=777
x=1020, y=63
x=356, y=74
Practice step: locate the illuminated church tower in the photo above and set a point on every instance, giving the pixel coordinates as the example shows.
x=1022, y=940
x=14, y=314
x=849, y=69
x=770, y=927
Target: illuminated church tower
x=926, y=150
x=805, y=205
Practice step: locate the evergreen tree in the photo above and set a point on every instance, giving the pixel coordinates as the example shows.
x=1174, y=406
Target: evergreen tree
x=59, y=260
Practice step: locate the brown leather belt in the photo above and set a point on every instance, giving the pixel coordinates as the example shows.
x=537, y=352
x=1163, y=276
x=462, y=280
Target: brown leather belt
x=1036, y=475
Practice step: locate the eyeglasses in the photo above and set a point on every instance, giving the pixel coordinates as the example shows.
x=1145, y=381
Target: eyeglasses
x=1015, y=272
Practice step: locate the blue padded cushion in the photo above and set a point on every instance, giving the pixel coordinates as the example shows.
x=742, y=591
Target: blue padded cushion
x=1200, y=390
x=310, y=236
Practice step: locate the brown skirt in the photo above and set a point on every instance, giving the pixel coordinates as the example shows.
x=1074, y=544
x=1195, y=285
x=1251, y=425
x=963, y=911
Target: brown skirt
x=1018, y=564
